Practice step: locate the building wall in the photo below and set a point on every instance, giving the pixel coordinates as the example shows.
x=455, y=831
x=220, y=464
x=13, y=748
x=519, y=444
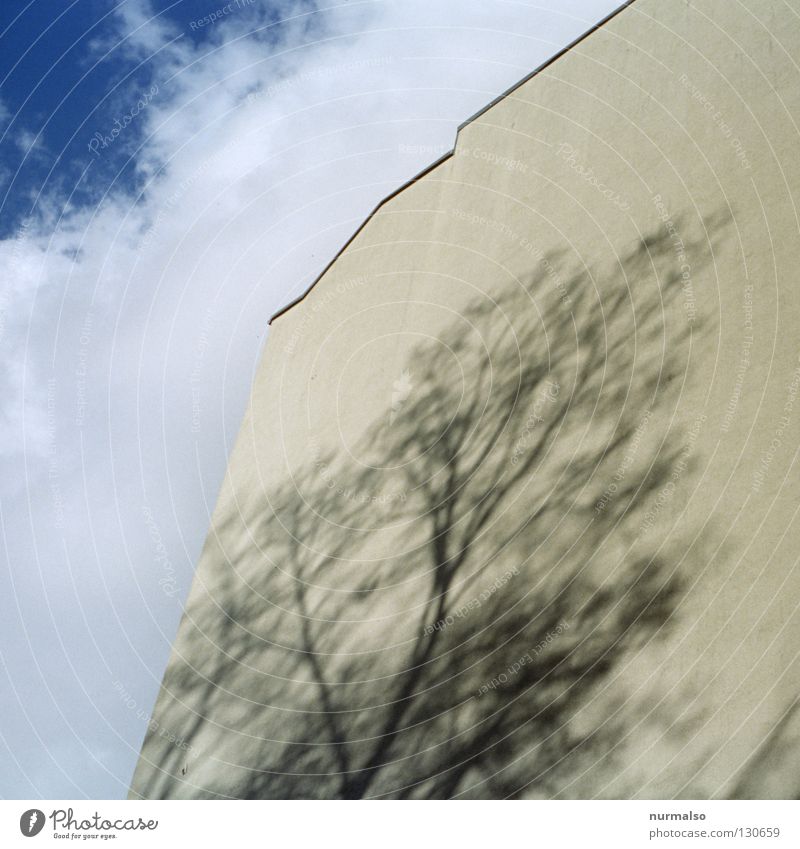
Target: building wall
x=538, y=420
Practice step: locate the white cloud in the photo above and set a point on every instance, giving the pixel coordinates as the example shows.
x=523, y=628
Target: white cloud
x=28, y=142
x=264, y=149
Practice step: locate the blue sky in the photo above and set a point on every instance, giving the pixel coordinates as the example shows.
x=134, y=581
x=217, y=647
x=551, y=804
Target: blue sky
x=62, y=73
x=137, y=282
x=70, y=70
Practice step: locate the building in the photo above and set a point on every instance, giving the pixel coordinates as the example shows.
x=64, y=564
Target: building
x=513, y=511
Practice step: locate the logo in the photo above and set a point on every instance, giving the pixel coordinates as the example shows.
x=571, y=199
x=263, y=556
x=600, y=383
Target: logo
x=31, y=822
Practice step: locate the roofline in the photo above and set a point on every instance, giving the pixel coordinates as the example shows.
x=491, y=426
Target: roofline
x=450, y=153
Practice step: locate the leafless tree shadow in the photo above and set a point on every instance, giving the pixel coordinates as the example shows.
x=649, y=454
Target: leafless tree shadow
x=510, y=484
x=772, y=770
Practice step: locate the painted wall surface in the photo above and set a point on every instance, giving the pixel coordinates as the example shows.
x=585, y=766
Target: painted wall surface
x=513, y=511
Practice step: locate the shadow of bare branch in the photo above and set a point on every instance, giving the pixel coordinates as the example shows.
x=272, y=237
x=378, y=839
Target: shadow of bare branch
x=441, y=642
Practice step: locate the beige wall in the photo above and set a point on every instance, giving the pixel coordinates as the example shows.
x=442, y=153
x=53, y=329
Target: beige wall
x=664, y=306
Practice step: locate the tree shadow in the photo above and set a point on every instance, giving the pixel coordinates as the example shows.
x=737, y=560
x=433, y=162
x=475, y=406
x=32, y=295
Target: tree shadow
x=771, y=771
x=436, y=622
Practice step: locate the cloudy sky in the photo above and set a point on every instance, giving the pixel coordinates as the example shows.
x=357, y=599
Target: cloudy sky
x=171, y=174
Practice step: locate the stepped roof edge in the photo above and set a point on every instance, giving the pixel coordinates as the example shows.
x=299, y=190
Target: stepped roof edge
x=555, y=57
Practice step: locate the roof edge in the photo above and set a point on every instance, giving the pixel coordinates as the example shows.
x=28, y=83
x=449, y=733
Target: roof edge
x=450, y=153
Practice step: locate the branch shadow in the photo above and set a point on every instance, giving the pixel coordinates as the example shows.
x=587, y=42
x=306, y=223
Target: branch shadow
x=509, y=484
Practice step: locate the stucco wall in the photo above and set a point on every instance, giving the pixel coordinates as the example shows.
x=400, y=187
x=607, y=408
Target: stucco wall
x=559, y=407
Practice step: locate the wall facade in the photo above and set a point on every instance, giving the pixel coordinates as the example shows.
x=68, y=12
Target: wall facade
x=513, y=510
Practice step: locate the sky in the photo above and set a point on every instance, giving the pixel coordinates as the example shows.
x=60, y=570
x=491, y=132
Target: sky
x=172, y=174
